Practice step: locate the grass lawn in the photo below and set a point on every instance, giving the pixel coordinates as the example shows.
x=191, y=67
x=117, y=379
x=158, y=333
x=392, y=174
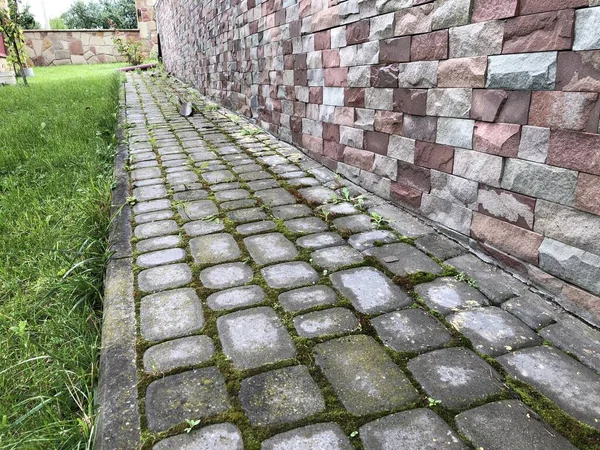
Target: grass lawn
x=56, y=150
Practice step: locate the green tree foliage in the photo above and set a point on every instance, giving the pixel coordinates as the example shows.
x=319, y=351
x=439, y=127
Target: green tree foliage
x=57, y=23
x=25, y=18
x=101, y=14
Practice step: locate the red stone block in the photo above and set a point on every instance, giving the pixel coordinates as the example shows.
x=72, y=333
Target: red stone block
x=331, y=132
x=574, y=150
x=331, y=58
x=578, y=71
x=414, y=176
x=388, y=122
x=315, y=95
x=537, y=6
x=299, y=109
x=326, y=18
x=296, y=124
x=394, y=50
x=359, y=158
x=344, y=115
x=76, y=47
x=509, y=238
x=331, y=164
x=336, y=77
x=377, y=142
x=491, y=105
x=539, y=32
x=507, y=206
x=406, y=195
x=305, y=8
x=300, y=78
x=588, y=193
x=354, y=97
x=300, y=61
x=500, y=139
x=288, y=61
x=429, y=46
x=582, y=299
x=421, y=128
x=434, y=156
x=333, y=150
x=484, y=10
x=323, y=40
x=385, y=76
x=578, y=111
x=462, y=72
x=411, y=101
x=312, y=143
x=357, y=32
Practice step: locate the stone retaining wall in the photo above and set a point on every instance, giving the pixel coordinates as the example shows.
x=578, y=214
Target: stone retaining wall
x=481, y=115
x=56, y=47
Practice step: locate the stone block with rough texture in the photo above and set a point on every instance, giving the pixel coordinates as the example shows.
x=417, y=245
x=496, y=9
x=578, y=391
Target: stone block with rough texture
x=531, y=71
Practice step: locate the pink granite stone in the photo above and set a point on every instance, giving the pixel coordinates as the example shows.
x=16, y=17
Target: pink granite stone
x=484, y=10
x=500, y=139
x=331, y=58
x=388, y=122
x=574, y=150
x=539, y=32
x=578, y=71
x=406, y=195
x=462, y=72
x=354, y=97
x=588, y=193
x=491, y=105
x=336, y=76
x=394, y=50
x=429, y=46
x=577, y=111
x=362, y=159
x=537, y=6
x=434, y=156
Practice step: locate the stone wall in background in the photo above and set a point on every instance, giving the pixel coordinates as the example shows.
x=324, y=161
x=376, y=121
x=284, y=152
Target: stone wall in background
x=481, y=115
x=147, y=24
x=56, y=47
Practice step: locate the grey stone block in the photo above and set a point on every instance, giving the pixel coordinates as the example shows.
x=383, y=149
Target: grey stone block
x=587, y=35
x=184, y=352
x=203, y=227
x=540, y=180
x=449, y=102
x=320, y=436
x=256, y=227
x=164, y=277
x=231, y=194
x=532, y=309
x=280, y=396
x=493, y=331
x=534, y=143
x=158, y=243
x=153, y=229
x=451, y=13
x=334, y=258
x=403, y=259
x=526, y=71
x=307, y=298
x=254, y=337
x=235, y=298
x=275, y=197
x=329, y=322
x=453, y=188
x=439, y=246
x=359, y=76
x=478, y=166
x=318, y=194
x=447, y=212
x=247, y=215
x=320, y=240
x=287, y=212
x=214, y=249
x=455, y=132
x=154, y=205
x=161, y=257
x=154, y=216
x=270, y=248
x=226, y=276
x=218, y=176
x=402, y=148
x=401, y=222
x=224, y=436
x=196, y=210
x=379, y=98
x=354, y=224
x=421, y=74
x=306, y=225
x=363, y=376
x=560, y=378
x=289, y=275
x=478, y=39
x=447, y=295
x=146, y=193
x=262, y=185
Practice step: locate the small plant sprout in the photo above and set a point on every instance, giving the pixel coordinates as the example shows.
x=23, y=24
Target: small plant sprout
x=131, y=200
x=433, y=402
x=211, y=107
x=346, y=196
x=250, y=131
x=212, y=218
x=465, y=278
x=153, y=143
x=378, y=220
x=354, y=434
x=191, y=424
x=325, y=213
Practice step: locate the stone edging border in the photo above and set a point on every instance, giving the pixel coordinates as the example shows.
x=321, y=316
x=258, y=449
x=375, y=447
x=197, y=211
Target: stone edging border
x=118, y=419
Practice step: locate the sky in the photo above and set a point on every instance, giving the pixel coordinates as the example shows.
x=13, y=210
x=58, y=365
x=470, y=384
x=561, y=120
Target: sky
x=54, y=8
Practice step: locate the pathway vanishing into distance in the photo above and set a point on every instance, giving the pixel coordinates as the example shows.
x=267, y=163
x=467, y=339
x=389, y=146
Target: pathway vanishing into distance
x=265, y=302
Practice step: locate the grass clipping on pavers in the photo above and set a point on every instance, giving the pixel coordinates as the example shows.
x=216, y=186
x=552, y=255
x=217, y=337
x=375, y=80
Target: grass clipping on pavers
x=57, y=143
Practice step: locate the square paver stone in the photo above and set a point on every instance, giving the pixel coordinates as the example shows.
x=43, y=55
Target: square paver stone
x=289, y=275
x=411, y=330
x=322, y=436
x=164, y=277
x=238, y=204
x=223, y=436
x=214, y=249
x=261, y=185
x=456, y=376
x=329, y=322
x=199, y=209
x=254, y=176
x=154, y=205
x=186, y=196
x=170, y=314
x=256, y=227
x=153, y=229
x=247, y=215
x=232, y=194
x=307, y=298
x=161, y=257
x=363, y=376
x=439, y=246
x=537, y=312
x=369, y=290
x=203, y=227
x=420, y=429
x=254, y=337
x=187, y=351
x=403, y=259
x=275, y=197
x=154, y=216
x=280, y=396
x=218, y=176
x=320, y=240
x=196, y=394
x=306, y=225
x=158, y=243
x=334, y=258
x=145, y=193
x=287, y=212
x=354, y=224
x=235, y=298
x=226, y=275
x=318, y=194
x=559, y=377
x=493, y=331
x=270, y=248
x=448, y=295
x=368, y=239
x=509, y=424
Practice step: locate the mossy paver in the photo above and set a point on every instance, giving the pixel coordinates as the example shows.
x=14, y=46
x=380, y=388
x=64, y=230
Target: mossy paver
x=275, y=310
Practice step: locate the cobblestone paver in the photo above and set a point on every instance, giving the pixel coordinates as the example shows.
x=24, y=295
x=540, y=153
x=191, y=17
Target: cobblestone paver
x=276, y=311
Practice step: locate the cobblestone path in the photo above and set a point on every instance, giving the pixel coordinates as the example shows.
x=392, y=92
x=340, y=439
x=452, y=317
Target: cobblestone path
x=281, y=307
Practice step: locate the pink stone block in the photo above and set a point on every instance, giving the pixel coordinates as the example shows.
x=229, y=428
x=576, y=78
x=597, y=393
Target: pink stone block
x=574, y=150
x=462, y=72
x=578, y=71
x=359, y=158
x=406, y=195
x=323, y=40
x=578, y=111
x=312, y=143
x=491, y=105
x=500, y=139
x=388, y=122
x=331, y=58
x=484, y=10
x=336, y=77
x=539, y=32
x=394, y=50
x=429, y=46
x=434, y=156
x=344, y=116
x=354, y=97
x=414, y=176
x=377, y=142
x=358, y=32
x=537, y=6
x=333, y=150
x=588, y=193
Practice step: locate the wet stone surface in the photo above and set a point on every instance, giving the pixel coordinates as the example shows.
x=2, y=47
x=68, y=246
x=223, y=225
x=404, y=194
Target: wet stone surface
x=320, y=240
x=328, y=322
x=270, y=248
x=164, y=277
x=403, y=259
x=289, y=275
x=325, y=436
x=448, y=295
x=307, y=298
x=235, y=298
x=226, y=275
x=188, y=351
x=214, y=249
x=224, y=436
x=334, y=258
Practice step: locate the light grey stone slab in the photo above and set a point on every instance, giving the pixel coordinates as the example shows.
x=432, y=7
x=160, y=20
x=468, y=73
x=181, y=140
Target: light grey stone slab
x=254, y=176
x=161, y=257
x=532, y=309
x=323, y=436
x=263, y=184
x=451, y=13
x=369, y=290
x=303, y=182
x=153, y=229
x=145, y=173
x=534, y=143
x=270, y=248
x=530, y=71
x=411, y=330
x=189, y=195
x=196, y=394
x=455, y=132
x=231, y=194
x=238, y=204
x=493, y=331
x=218, y=176
x=289, y=275
x=153, y=192
x=235, y=298
x=439, y=246
x=334, y=258
x=183, y=352
x=154, y=216
x=247, y=168
x=559, y=377
x=158, y=243
x=448, y=295
x=449, y=102
x=170, y=314
x=288, y=212
x=328, y=322
x=153, y=205
x=417, y=429
x=275, y=197
x=339, y=209
x=354, y=224
x=456, y=376
x=225, y=186
x=183, y=177
x=320, y=240
x=367, y=239
x=280, y=396
x=486, y=427
x=226, y=275
x=403, y=259
x=214, y=249
x=307, y=298
x=199, y=209
x=306, y=225
x=203, y=227
x=318, y=194
x=164, y=277
x=254, y=337
x=256, y=227
x=363, y=376
x=247, y=215
x=224, y=436
x=587, y=36
x=402, y=222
